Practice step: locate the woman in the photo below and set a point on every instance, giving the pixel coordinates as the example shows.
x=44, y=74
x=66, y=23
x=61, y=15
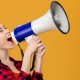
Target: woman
x=11, y=69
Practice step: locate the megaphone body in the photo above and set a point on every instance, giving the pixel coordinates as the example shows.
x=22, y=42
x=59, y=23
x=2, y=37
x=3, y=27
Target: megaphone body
x=55, y=18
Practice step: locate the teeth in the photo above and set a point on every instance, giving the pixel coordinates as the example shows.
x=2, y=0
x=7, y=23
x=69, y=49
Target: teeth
x=9, y=36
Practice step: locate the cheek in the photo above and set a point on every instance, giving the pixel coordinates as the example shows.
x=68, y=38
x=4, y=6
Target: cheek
x=2, y=43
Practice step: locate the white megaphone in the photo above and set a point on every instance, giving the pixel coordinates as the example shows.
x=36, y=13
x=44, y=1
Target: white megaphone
x=55, y=18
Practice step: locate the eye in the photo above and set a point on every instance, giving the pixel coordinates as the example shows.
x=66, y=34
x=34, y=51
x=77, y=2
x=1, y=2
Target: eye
x=5, y=28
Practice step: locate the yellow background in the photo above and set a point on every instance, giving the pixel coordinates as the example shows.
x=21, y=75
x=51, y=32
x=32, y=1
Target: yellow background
x=62, y=58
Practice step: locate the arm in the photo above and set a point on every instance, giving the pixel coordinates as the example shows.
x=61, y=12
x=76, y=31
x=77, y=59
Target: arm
x=26, y=63
x=39, y=58
x=32, y=47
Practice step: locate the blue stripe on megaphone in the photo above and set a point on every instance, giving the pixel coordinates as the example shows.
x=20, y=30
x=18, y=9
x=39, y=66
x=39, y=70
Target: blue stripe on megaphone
x=23, y=31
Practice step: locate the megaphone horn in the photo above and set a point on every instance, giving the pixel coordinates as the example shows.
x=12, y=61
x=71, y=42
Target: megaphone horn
x=60, y=17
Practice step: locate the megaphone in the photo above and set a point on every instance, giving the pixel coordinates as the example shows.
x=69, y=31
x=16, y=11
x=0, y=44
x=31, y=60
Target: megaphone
x=55, y=18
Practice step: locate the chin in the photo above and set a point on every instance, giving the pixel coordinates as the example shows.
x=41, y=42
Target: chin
x=9, y=47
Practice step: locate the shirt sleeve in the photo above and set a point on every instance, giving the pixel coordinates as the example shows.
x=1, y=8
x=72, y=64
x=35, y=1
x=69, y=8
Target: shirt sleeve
x=37, y=76
x=24, y=76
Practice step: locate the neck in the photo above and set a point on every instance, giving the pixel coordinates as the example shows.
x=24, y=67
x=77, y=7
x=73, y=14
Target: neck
x=4, y=57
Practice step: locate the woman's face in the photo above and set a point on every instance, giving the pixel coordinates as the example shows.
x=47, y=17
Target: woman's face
x=6, y=41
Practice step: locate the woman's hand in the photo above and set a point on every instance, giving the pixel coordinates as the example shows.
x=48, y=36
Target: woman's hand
x=40, y=51
x=33, y=45
x=31, y=48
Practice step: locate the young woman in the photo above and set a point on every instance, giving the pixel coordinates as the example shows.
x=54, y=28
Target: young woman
x=11, y=69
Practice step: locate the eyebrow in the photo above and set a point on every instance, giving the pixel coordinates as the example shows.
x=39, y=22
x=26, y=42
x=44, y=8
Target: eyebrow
x=3, y=26
x=0, y=28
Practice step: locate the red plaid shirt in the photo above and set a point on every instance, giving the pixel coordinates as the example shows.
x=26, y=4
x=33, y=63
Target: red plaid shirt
x=7, y=74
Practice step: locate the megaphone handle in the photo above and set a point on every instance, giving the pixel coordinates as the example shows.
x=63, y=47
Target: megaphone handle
x=28, y=38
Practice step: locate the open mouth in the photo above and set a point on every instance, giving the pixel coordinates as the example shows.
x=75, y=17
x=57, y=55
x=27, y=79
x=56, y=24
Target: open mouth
x=10, y=39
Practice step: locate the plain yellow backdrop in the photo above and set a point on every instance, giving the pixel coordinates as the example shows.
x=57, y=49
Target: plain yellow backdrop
x=62, y=58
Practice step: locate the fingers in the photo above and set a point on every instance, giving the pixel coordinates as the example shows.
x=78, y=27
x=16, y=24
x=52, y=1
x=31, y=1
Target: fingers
x=36, y=38
x=43, y=51
x=42, y=48
x=38, y=41
x=39, y=45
